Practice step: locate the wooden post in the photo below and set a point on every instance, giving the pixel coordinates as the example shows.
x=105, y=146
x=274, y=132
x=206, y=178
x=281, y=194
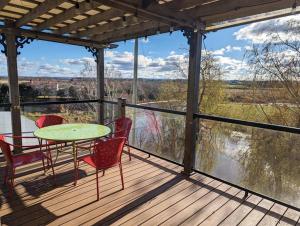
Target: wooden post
x=195, y=42
x=121, y=107
x=100, y=85
x=134, y=88
x=135, y=71
x=13, y=83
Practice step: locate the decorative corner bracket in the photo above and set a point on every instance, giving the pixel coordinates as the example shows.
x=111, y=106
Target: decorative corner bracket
x=3, y=43
x=94, y=52
x=188, y=33
x=21, y=41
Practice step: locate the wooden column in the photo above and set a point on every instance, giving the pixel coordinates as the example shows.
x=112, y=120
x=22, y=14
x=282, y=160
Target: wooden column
x=195, y=42
x=13, y=83
x=135, y=71
x=121, y=107
x=100, y=85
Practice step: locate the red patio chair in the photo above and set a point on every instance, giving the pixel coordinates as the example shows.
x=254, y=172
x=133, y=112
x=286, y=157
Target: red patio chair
x=106, y=154
x=50, y=120
x=122, y=127
x=14, y=161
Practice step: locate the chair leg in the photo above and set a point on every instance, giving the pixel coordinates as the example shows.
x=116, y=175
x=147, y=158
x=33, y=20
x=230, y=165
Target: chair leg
x=121, y=173
x=5, y=175
x=77, y=173
x=52, y=167
x=97, y=182
x=12, y=181
x=129, y=153
x=103, y=173
x=43, y=161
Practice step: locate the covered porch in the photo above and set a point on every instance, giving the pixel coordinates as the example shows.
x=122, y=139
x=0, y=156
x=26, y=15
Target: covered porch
x=158, y=190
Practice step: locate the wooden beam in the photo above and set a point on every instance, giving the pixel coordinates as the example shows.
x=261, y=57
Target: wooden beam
x=139, y=34
x=92, y=20
x=67, y=14
x=41, y=9
x=55, y=38
x=3, y=3
x=159, y=17
x=247, y=20
x=191, y=123
x=127, y=30
x=230, y=6
x=114, y=25
x=100, y=85
x=177, y=5
x=13, y=83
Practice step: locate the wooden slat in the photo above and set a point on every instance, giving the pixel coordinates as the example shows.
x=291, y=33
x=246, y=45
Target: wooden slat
x=242, y=211
x=39, y=10
x=273, y=216
x=92, y=20
x=255, y=216
x=290, y=217
x=67, y=14
x=3, y=3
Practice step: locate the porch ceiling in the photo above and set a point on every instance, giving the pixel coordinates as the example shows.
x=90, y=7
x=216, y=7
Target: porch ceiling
x=107, y=21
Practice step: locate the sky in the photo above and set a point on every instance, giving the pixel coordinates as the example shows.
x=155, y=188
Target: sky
x=158, y=55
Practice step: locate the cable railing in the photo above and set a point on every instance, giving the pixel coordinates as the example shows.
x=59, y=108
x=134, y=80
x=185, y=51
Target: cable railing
x=273, y=127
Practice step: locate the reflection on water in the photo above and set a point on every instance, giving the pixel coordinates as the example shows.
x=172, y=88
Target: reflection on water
x=265, y=161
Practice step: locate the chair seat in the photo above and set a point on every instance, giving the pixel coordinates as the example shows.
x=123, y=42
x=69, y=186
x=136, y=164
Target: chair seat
x=89, y=160
x=23, y=159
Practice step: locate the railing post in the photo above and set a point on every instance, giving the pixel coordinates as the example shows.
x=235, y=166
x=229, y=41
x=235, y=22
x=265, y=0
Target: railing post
x=100, y=85
x=13, y=82
x=121, y=107
x=195, y=42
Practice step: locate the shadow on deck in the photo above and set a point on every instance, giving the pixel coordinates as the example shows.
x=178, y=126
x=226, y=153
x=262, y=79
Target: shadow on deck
x=155, y=193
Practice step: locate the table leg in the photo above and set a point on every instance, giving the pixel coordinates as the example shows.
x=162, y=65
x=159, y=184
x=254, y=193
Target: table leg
x=75, y=161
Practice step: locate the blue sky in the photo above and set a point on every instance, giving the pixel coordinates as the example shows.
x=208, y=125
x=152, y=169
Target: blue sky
x=157, y=54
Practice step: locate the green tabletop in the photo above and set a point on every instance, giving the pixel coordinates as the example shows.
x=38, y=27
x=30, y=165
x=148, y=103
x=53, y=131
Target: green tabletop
x=72, y=132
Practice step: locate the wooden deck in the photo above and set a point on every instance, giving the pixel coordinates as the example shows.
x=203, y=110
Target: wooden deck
x=155, y=193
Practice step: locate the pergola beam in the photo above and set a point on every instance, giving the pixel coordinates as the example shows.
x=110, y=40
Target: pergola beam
x=55, y=38
x=67, y=14
x=41, y=9
x=132, y=29
x=159, y=17
x=114, y=25
x=218, y=11
x=92, y=20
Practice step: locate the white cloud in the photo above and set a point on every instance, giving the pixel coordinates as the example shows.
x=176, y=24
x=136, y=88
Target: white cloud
x=233, y=68
x=286, y=27
x=226, y=49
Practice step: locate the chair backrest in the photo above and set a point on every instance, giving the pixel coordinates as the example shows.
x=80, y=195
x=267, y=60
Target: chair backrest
x=5, y=148
x=107, y=153
x=122, y=127
x=48, y=120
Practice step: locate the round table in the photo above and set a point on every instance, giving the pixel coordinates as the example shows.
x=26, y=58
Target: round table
x=72, y=133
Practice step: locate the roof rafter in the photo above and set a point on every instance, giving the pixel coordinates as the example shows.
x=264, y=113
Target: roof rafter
x=41, y=9
x=92, y=20
x=132, y=29
x=68, y=14
x=114, y=25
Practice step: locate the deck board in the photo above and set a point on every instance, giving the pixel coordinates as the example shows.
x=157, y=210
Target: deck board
x=155, y=193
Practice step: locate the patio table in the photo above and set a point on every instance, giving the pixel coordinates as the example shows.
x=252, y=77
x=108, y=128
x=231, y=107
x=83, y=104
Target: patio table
x=72, y=133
